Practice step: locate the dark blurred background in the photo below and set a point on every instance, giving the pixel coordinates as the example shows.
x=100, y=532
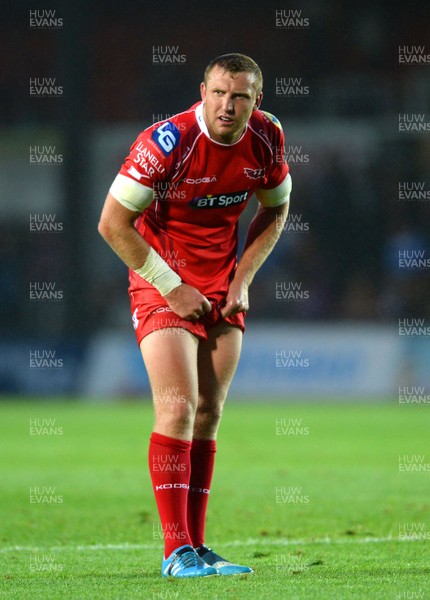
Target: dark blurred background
x=347, y=156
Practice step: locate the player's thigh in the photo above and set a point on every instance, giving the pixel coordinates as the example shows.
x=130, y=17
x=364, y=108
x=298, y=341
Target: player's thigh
x=218, y=357
x=170, y=357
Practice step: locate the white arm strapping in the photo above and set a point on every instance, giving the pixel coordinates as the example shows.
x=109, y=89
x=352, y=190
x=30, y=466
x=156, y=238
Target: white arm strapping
x=276, y=196
x=158, y=273
x=131, y=194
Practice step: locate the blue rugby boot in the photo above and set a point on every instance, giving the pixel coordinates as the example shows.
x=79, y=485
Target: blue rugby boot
x=223, y=566
x=185, y=562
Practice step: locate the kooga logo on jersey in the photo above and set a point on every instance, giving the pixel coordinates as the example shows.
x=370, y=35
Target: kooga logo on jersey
x=219, y=200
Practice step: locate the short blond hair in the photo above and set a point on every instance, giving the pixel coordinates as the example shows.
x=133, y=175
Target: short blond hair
x=236, y=63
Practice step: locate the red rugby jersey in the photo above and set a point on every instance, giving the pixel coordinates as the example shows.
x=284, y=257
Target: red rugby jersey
x=200, y=188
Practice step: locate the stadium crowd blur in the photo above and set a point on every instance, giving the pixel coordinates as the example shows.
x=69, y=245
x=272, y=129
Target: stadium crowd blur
x=350, y=222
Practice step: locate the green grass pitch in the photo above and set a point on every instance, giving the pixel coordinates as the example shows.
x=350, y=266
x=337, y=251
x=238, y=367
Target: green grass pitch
x=317, y=506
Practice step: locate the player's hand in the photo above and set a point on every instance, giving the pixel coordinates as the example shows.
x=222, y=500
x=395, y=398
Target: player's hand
x=236, y=300
x=187, y=302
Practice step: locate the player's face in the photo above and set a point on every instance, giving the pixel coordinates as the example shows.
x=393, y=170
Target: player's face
x=229, y=100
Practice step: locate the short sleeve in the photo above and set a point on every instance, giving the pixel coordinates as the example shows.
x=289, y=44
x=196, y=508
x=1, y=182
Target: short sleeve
x=145, y=166
x=277, y=185
x=278, y=168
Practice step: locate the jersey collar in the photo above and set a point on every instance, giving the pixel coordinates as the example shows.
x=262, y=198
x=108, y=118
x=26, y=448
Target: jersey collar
x=202, y=124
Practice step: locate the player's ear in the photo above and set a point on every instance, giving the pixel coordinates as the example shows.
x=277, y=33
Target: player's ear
x=258, y=101
x=203, y=90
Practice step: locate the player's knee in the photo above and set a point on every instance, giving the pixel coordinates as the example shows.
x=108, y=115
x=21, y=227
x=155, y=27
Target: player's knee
x=178, y=410
x=210, y=410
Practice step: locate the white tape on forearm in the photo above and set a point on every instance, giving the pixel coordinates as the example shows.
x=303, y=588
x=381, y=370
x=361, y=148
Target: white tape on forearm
x=158, y=273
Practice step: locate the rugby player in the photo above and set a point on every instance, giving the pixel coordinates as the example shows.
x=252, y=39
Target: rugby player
x=171, y=215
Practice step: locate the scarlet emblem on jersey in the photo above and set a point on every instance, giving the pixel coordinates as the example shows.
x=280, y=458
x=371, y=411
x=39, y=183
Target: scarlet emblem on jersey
x=166, y=137
x=254, y=173
x=219, y=200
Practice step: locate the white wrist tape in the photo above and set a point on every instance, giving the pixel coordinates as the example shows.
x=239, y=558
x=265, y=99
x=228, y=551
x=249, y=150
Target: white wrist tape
x=158, y=273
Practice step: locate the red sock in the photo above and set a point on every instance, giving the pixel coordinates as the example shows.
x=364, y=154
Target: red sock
x=169, y=466
x=202, y=466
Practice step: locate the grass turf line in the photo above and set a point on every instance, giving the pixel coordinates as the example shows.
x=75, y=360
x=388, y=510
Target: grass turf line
x=334, y=475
